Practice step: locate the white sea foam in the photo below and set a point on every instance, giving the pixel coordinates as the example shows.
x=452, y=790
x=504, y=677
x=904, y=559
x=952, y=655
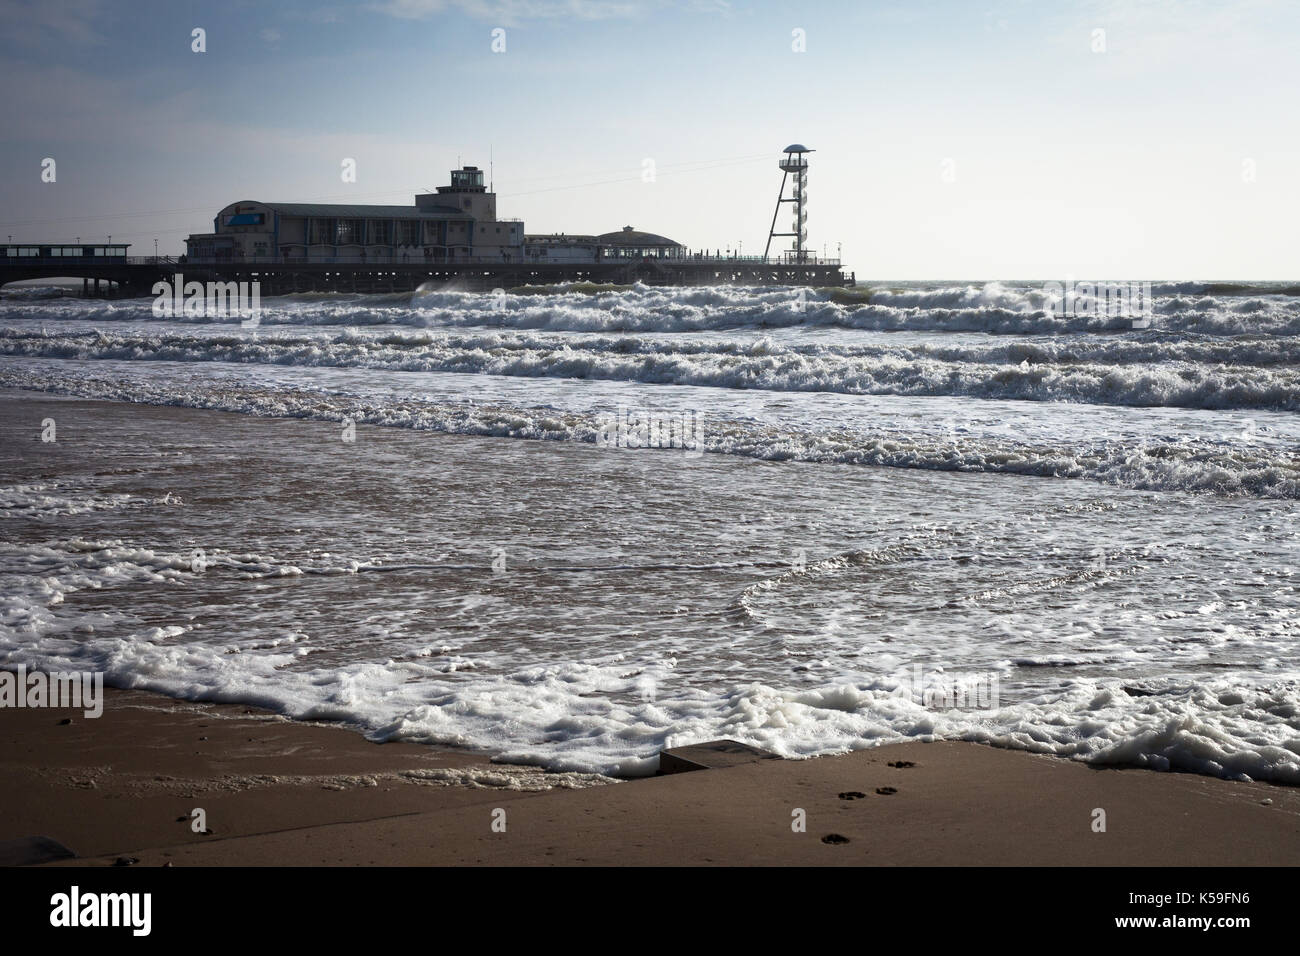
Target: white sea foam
x=1007, y=309
x=1253, y=467
x=1250, y=376
x=564, y=718
x=45, y=501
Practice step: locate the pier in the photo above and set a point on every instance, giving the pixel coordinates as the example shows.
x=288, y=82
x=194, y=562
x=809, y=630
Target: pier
x=450, y=238
x=133, y=276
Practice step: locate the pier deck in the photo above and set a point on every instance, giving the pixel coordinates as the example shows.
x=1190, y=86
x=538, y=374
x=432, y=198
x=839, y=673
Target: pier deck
x=136, y=276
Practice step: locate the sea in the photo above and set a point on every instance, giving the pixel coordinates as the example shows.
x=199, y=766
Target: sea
x=571, y=526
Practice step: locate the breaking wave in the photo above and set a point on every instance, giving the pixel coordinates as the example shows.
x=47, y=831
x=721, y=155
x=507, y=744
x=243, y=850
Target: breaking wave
x=1215, y=309
x=1255, y=374
x=1178, y=464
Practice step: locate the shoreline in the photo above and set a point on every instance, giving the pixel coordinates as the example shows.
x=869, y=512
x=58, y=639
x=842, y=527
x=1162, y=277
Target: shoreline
x=278, y=792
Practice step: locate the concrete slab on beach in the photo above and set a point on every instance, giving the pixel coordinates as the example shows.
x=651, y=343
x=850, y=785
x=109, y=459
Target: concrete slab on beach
x=710, y=755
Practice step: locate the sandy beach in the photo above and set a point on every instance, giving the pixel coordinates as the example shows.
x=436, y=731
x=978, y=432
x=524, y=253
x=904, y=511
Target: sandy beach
x=277, y=792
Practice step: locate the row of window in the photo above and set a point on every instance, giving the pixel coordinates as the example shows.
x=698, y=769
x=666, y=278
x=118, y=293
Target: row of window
x=62, y=252
x=653, y=252
x=384, y=232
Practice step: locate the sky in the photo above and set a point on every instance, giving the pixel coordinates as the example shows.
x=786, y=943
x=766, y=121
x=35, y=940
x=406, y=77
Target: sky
x=1008, y=139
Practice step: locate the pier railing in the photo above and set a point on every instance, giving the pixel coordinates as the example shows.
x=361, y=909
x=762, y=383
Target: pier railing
x=416, y=260
x=701, y=258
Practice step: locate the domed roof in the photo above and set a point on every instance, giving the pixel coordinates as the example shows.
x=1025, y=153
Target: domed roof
x=797, y=148
x=627, y=236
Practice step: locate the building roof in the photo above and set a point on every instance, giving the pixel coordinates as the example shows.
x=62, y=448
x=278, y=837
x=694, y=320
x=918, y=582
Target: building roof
x=63, y=242
x=628, y=236
x=797, y=148
x=366, y=212
x=559, y=238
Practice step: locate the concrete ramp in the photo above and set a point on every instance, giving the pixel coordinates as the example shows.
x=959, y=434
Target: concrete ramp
x=710, y=755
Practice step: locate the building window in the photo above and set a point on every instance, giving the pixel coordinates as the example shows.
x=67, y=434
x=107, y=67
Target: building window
x=463, y=178
x=322, y=232
x=349, y=231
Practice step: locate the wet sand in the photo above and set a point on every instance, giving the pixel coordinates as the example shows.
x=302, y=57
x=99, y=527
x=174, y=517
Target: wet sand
x=277, y=792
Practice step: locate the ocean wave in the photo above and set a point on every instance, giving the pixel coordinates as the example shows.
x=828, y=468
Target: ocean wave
x=992, y=308
x=1182, y=464
x=1263, y=377
x=1145, y=348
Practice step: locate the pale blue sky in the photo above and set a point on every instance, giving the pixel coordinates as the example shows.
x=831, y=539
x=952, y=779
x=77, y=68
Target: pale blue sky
x=1173, y=153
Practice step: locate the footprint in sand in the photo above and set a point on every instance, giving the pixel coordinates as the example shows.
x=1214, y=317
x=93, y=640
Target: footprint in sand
x=834, y=839
x=886, y=791
x=852, y=795
x=900, y=764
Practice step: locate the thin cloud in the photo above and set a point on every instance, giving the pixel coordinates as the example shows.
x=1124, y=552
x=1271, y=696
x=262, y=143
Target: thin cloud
x=32, y=23
x=514, y=11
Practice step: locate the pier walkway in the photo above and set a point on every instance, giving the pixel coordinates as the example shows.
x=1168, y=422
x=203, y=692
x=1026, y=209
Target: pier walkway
x=136, y=275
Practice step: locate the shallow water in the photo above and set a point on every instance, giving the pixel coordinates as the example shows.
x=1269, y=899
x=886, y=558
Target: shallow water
x=1079, y=540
